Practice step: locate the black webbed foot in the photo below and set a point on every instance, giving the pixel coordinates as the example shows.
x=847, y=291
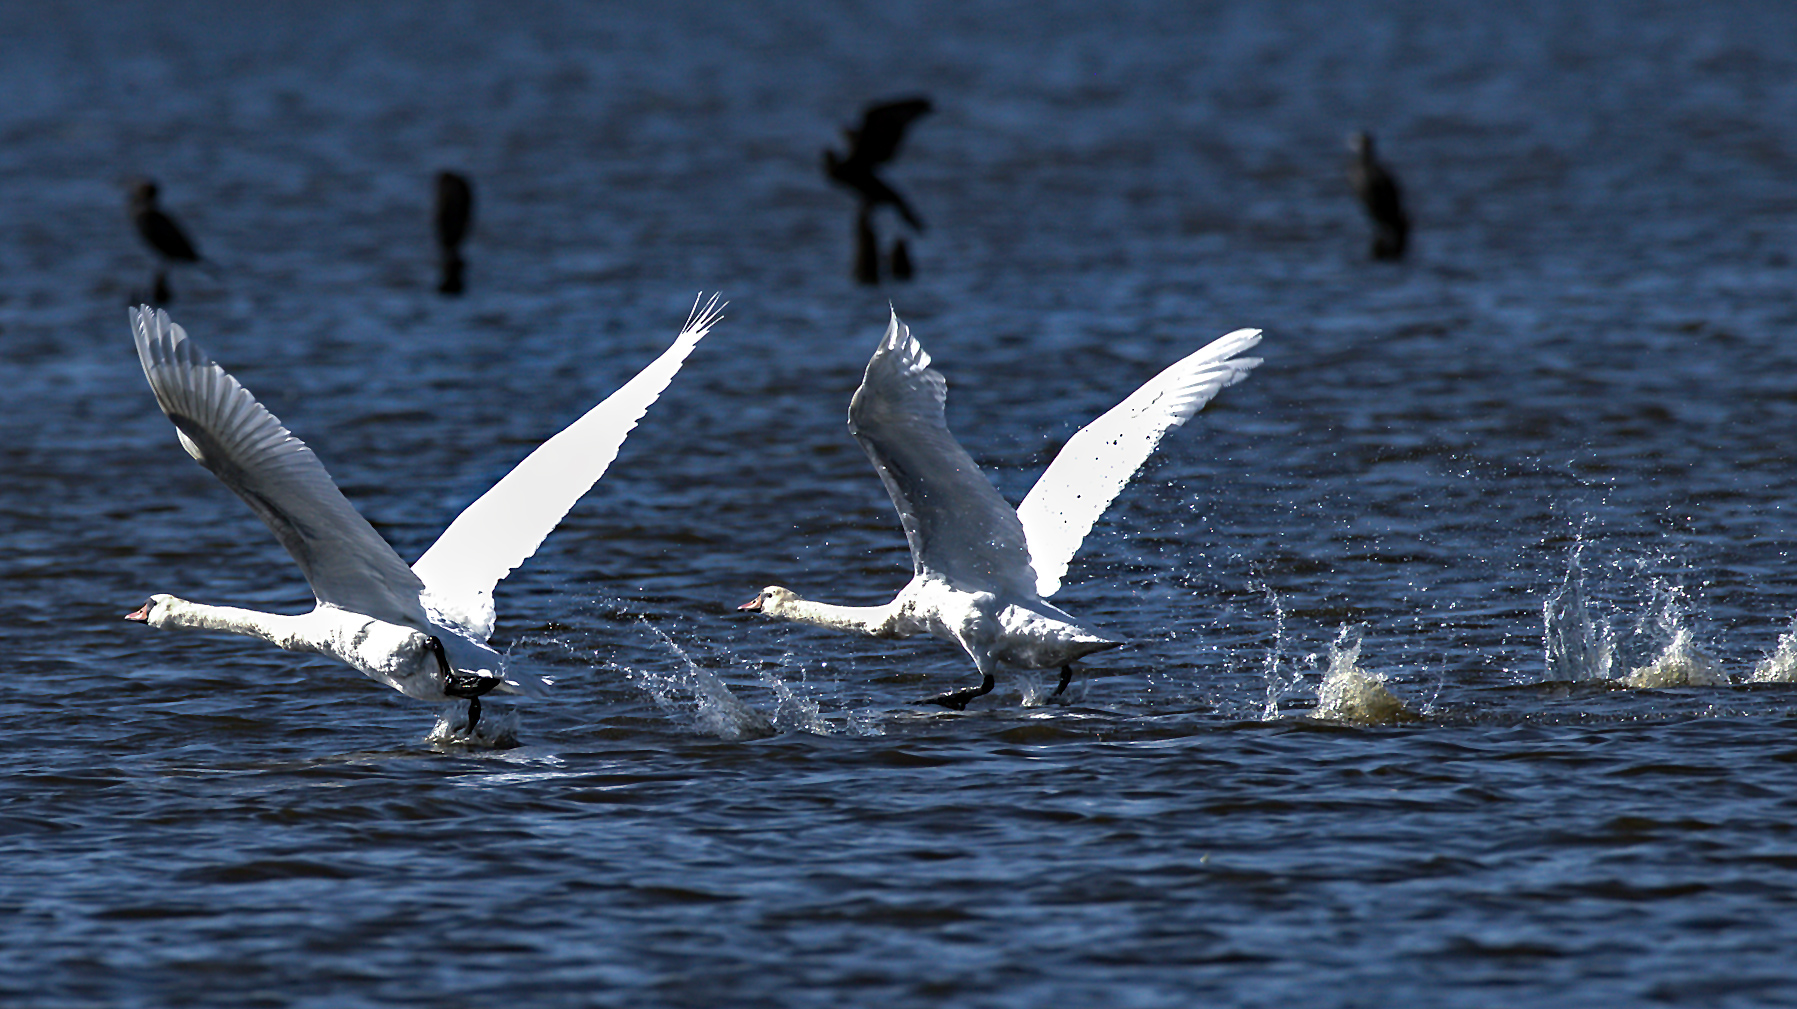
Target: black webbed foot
x=1066, y=678
x=957, y=699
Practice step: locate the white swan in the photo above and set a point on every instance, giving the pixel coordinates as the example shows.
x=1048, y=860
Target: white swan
x=421, y=630
x=983, y=572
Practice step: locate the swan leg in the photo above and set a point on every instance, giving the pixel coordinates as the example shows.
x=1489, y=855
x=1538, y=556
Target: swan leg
x=463, y=685
x=1066, y=678
x=957, y=699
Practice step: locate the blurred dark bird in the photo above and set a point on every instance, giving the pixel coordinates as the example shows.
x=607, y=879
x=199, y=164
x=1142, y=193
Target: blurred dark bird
x=162, y=234
x=159, y=229
x=867, y=246
x=876, y=142
x=1379, y=194
x=454, y=215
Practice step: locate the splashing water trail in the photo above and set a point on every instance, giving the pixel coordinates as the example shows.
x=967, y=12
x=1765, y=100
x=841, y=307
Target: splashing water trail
x=1577, y=649
x=1354, y=695
x=1781, y=665
x=714, y=710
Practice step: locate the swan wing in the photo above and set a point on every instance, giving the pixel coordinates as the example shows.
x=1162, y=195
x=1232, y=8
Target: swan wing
x=955, y=521
x=1095, y=464
x=504, y=526
x=222, y=426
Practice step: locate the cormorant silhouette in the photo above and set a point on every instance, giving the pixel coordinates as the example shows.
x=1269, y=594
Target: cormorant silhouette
x=872, y=144
x=1379, y=193
x=454, y=215
x=160, y=232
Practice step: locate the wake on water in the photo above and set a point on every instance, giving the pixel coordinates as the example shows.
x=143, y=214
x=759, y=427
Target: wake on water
x=1577, y=648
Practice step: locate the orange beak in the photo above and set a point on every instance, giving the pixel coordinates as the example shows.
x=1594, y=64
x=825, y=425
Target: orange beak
x=753, y=605
x=141, y=614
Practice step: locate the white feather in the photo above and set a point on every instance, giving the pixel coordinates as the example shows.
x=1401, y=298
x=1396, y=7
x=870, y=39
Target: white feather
x=1100, y=460
x=504, y=526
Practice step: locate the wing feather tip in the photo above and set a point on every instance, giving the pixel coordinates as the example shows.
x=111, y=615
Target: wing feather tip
x=702, y=317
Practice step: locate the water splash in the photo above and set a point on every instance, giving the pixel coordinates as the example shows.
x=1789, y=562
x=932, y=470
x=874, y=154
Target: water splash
x=696, y=693
x=497, y=729
x=1278, y=685
x=1781, y=665
x=1680, y=663
x=792, y=712
x=1576, y=648
x=1354, y=695
x=1035, y=690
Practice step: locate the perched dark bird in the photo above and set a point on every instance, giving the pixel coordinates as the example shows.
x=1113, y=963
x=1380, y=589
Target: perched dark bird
x=454, y=215
x=455, y=209
x=1379, y=193
x=872, y=145
x=157, y=228
x=162, y=234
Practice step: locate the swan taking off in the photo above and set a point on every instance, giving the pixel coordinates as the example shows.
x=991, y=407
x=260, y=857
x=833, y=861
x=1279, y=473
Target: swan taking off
x=421, y=630
x=983, y=572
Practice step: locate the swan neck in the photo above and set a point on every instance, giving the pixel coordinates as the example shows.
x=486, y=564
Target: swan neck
x=275, y=628
x=875, y=620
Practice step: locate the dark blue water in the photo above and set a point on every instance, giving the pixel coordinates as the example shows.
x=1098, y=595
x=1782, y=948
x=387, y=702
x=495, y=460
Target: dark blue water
x=1588, y=355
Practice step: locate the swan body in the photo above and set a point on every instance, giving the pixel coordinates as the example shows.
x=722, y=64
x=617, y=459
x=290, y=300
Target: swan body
x=423, y=629
x=983, y=571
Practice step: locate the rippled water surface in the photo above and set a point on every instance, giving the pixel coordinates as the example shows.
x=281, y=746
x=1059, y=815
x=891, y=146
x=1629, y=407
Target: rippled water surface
x=1456, y=677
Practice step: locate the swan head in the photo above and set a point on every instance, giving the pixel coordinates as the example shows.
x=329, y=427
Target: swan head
x=771, y=601
x=154, y=610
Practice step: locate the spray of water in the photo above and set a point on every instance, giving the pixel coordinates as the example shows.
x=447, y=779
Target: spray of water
x=1278, y=684
x=1577, y=648
x=694, y=692
x=496, y=730
x=792, y=711
x=1680, y=662
x=1354, y=695
x=1781, y=665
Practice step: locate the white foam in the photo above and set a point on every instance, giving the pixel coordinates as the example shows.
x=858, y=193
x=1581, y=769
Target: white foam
x=1351, y=694
x=1781, y=665
x=1682, y=664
